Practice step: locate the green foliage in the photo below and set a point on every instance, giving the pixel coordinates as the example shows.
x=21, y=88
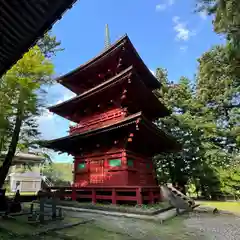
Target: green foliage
x=199, y=123
x=22, y=99
x=20, y=86
x=27, y=76
x=49, y=45
x=226, y=21
x=205, y=115
x=59, y=173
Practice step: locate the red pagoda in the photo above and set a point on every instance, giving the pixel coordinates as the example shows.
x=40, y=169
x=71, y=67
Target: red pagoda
x=114, y=139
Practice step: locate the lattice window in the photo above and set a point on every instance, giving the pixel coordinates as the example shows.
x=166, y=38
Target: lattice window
x=81, y=165
x=115, y=162
x=130, y=162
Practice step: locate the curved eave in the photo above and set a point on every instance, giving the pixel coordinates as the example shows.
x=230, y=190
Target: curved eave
x=161, y=111
x=172, y=145
x=66, y=80
x=92, y=91
x=57, y=143
x=23, y=23
x=156, y=135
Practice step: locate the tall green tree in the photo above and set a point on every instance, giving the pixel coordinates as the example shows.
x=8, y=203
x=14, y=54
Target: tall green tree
x=219, y=91
x=24, y=80
x=227, y=22
x=179, y=98
x=23, y=93
x=194, y=123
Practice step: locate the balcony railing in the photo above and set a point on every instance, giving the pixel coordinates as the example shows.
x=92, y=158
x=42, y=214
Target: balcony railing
x=98, y=120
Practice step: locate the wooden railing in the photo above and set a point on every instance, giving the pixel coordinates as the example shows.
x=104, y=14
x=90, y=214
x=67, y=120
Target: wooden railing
x=139, y=195
x=98, y=120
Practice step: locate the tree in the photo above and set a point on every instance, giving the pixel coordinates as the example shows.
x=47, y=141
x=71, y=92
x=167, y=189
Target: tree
x=60, y=174
x=11, y=105
x=24, y=80
x=218, y=89
x=226, y=21
x=49, y=45
x=179, y=98
x=195, y=123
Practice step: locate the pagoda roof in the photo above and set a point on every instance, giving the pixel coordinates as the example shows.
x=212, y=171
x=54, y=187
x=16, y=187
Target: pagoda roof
x=23, y=23
x=149, y=102
x=68, y=80
x=149, y=135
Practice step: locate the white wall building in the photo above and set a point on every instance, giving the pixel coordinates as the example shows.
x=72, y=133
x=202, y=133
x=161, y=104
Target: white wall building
x=25, y=174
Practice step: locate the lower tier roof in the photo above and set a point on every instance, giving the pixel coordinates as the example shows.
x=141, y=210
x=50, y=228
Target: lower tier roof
x=146, y=138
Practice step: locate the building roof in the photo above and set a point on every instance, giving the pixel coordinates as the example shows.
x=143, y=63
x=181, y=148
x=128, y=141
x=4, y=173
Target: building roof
x=149, y=135
x=21, y=157
x=23, y=23
x=149, y=103
x=78, y=75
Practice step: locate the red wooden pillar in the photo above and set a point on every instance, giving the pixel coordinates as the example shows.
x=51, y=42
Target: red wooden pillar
x=151, y=197
x=139, y=196
x=74, y=194
x=94, y=198
x=114, y=195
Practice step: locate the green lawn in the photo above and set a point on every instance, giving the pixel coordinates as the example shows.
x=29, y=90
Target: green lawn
x=227, y=206
x=21, y=193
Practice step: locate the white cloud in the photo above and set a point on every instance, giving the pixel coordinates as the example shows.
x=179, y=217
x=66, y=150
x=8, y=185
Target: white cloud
x=65, y=96
x=51, y=125
x=153, y=72
x=183, y=33
x=203, y=14
x=161, y=7
x=183, y=48
x=171, y=2
x=165, y=5
x=47, y=115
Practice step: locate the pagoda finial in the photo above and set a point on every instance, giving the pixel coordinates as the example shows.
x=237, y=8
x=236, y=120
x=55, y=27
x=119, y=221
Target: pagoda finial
x=107, y=37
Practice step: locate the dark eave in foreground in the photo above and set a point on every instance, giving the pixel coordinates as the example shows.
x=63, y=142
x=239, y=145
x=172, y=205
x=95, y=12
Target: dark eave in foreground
x=23, y=23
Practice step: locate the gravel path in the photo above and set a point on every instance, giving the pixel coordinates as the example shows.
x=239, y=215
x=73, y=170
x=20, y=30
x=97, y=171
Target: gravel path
x=194, y=226
x=127, y=227
x=219, y=227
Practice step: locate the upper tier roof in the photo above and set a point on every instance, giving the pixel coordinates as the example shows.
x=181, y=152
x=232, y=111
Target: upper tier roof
x=80, y=75
x=23, y=23
x=138, y=93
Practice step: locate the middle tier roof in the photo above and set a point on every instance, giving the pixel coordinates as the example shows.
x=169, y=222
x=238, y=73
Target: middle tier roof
x=128, y=83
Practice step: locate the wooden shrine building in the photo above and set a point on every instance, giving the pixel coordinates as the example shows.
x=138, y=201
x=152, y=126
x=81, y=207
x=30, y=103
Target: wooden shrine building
x=114, y=138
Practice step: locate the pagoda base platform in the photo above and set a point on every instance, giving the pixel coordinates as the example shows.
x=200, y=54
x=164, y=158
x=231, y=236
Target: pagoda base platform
x=110, y=194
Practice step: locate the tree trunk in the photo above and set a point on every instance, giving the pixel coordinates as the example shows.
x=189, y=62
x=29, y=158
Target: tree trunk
x=14, y=140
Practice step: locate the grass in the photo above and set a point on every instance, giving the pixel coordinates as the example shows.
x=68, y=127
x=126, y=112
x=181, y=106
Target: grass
x=227, y=206
x=9, y=194
x=19, y=228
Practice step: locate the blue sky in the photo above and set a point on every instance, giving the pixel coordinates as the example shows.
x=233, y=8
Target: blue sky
x=166, y=33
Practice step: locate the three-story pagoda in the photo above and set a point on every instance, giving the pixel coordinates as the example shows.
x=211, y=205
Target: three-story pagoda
x=114, y=139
